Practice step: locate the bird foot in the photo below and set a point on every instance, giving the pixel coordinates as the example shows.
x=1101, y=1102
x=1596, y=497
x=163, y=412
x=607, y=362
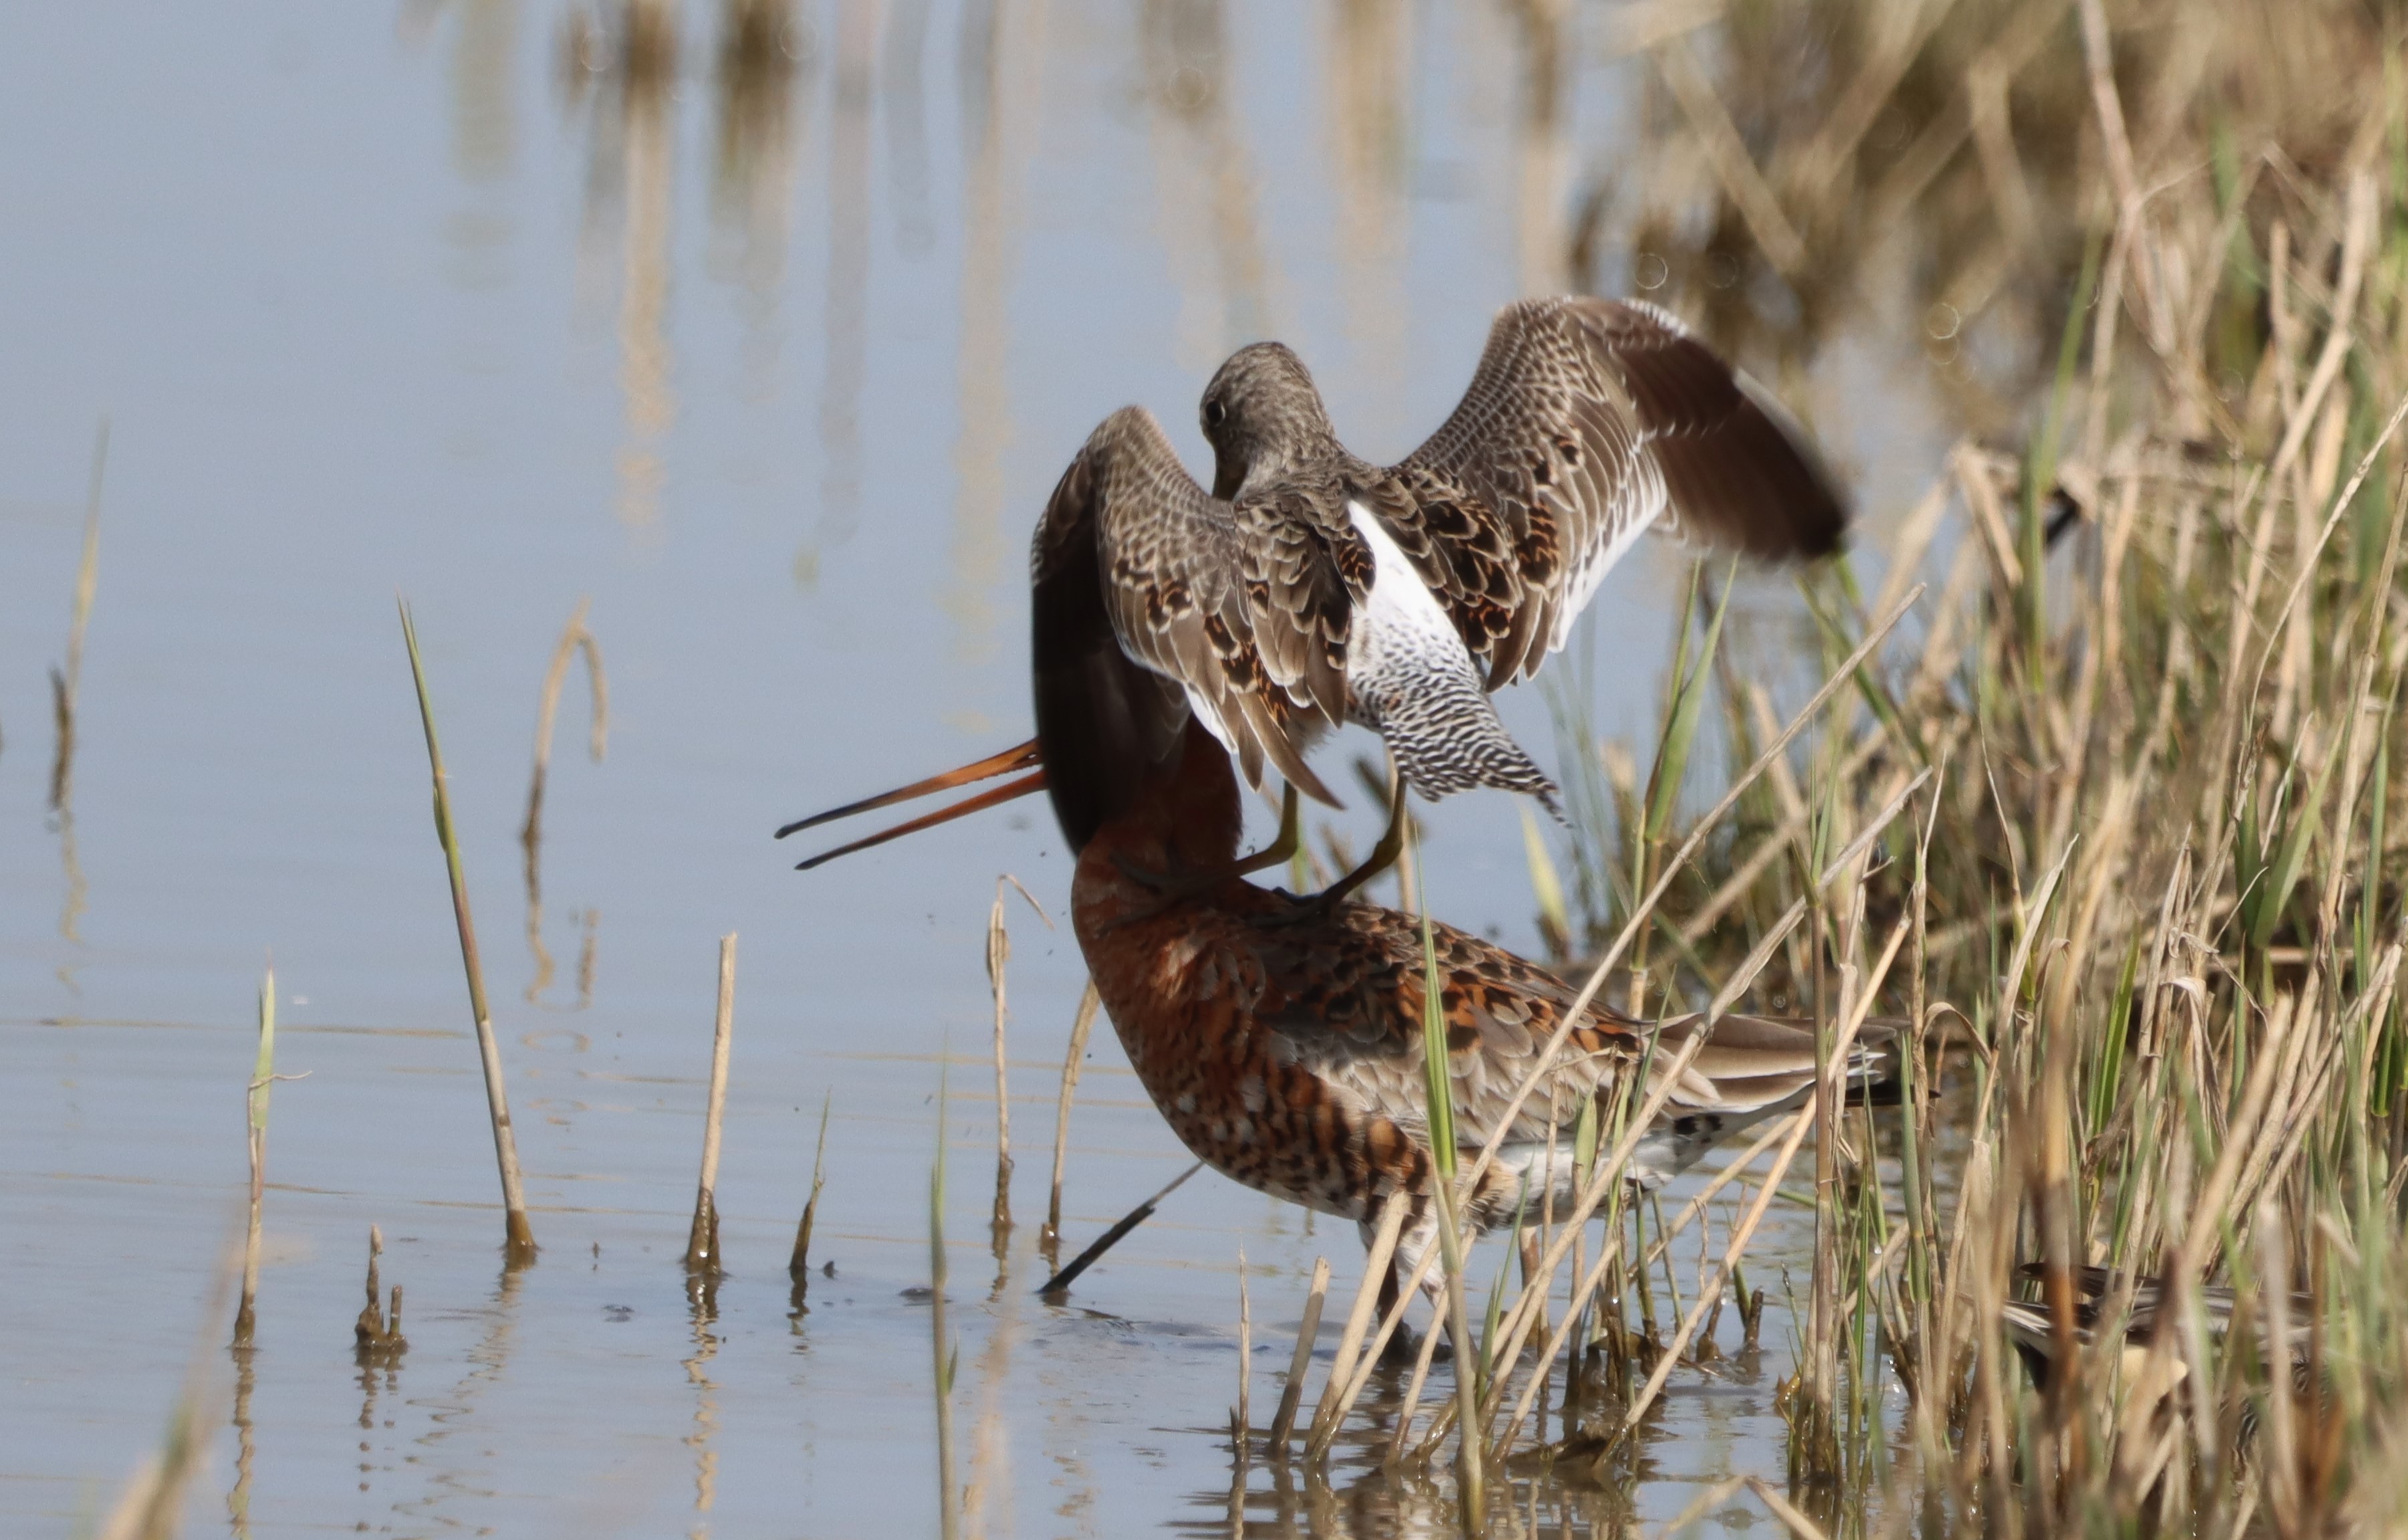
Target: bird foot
x=1176, y=886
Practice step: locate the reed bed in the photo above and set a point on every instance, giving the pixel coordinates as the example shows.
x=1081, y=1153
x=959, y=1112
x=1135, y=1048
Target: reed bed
x=2109, y=826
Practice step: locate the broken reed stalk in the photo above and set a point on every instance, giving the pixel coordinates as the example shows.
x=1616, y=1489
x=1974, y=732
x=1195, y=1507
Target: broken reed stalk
x=67, y=680
x=375, y=1336
x=1061, y=1281
x=1308, y=1332
x=702, y=1240
x=1071, y=1062
x=949, y=1496
x=263, y=1076
x=798, y=1266
x=519, y=1247
x=574, y=639
x=998, y=952
x=1242, y=1416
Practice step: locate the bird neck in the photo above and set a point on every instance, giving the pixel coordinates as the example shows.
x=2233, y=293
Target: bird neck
x=1298, y=450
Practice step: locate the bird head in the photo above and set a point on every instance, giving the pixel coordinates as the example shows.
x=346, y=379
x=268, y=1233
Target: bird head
x=1263, y=418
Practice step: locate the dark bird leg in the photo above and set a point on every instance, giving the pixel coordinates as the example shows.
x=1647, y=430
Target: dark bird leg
x=1403, y=1347
x=1383, y=856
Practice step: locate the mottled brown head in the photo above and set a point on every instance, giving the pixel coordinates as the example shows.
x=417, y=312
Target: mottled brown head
x=1263, y=418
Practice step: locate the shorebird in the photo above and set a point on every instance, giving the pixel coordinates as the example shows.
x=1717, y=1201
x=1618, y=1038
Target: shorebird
x=1282, y=1039
x=1179, y=639
x=1309, y=587
x=2030, y=1326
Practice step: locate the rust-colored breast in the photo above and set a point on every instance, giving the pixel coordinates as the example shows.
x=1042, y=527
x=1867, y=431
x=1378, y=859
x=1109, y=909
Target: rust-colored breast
x=1184, y=986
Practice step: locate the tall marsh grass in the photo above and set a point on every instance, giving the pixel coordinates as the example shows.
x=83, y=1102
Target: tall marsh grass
x=2110, y=826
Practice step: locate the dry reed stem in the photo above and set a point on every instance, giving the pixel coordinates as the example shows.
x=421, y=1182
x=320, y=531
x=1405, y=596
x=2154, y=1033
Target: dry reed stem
x=702, y=1238
x=1376, y=1263
x=1781, y=1508
x=1411, y=1405
x=1607, y=1173
x=1704, y=1502
x=575, y=639
x=1307, y=1331
x=1240, y=1416
x=1644, y=913
x=1529, y=1308
x=798, y=1265
x=998, y=952
x=1726, y=152
x=1072, y=1061
x=519, y=1247
x=262, y=1078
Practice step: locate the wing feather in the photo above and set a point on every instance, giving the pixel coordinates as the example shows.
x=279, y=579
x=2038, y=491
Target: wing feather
x=1217, y=598
x=1587, y=422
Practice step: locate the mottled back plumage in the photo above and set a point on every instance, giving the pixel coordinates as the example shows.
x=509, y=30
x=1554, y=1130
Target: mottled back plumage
x=1309, y=587
x=1289, y=1055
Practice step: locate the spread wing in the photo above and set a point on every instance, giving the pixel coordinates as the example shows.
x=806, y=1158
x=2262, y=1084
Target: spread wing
x=1589, y=421
x=1246, y=608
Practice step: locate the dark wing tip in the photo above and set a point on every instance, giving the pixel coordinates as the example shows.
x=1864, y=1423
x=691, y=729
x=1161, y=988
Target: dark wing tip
x=1741, y=469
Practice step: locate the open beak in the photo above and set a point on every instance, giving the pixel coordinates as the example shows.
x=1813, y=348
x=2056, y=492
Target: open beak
x=1021, y=758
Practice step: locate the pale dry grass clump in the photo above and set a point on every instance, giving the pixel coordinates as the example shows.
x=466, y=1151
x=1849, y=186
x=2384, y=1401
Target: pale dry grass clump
x=2109, y=824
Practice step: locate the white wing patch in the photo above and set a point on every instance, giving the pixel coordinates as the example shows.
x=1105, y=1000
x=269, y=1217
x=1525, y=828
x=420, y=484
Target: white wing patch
x=1646, y=505
x=1409, y=676
x=1401, y=636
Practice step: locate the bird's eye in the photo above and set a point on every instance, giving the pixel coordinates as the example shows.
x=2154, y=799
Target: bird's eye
x=1213, y=412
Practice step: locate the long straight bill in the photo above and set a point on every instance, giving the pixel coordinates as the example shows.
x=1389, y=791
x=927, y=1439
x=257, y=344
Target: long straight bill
x=1023, y=756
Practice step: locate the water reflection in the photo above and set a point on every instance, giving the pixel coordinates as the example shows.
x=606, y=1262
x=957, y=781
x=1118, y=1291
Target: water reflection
x=1841, y=166
x=458, y=1476
x=484, y=104
x=1002, y=56
x=766, y=53
x=906, y=127
x=1205, y=186
x=1368, y=64
x=1539, y=149
x=844, y=326
x=619, y=69
x=702, y=1293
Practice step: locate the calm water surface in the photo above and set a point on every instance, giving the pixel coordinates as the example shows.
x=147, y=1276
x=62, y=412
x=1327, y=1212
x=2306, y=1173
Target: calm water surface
x=776, y=368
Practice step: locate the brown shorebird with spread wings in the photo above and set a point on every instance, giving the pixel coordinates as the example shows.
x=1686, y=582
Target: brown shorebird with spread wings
x=1309, y=587
x=1179, y=637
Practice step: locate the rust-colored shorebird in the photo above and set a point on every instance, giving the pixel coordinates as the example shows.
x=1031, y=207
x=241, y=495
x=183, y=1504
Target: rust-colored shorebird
x=1179, y=639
